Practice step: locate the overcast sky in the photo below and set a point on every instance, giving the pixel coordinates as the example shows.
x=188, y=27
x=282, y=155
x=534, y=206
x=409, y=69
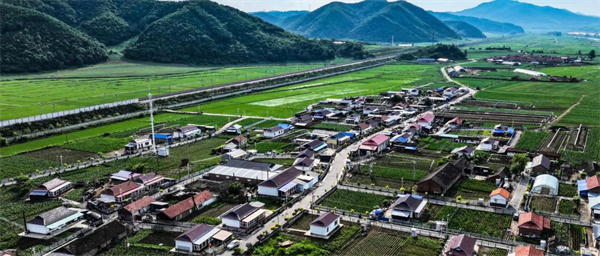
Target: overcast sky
x=589, y=7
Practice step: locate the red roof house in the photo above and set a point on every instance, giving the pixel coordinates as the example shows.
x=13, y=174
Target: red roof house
x=460, y=245
x=531, y=224
x=593, y=184
x=376, y=144
x=187, y=206
x=528, y=250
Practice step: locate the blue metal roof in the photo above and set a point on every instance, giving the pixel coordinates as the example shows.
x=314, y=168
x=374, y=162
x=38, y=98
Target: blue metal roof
x=163, y=136
x=582, y=185
x=322, y=146
x=284, y=125
x=349, y=134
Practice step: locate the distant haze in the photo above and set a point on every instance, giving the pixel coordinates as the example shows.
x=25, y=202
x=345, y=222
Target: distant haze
x=588, y=7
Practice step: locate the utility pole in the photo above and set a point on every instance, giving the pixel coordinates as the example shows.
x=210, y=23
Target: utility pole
x=42, y=104
x=152, y=123
x=392, y=40
x=104, y=98
x=54, y=108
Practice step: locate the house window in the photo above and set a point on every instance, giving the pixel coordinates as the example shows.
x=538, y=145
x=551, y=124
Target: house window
x=237, y=178
x=217, y=176
x=327, y=230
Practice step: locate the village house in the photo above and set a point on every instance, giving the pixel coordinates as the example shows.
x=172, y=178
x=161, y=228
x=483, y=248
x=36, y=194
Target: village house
x=245, y=172
x=137, y=209
x=339, y=139
x=413, y=128
x=488, y=144
x=244, y=216
x=187, y=206
x=325, y=225
x=303, y=120
x=281, y=185
x=273, y=132
x=502, y=130
x=375, y=145
x=201, y=236
x=527, y=250
x=594, y=207
x=407, y=207
x=306, y=153
x=240, y=141
x=540, y=164
x=533, y=225
x=442, y=179
x=235, y=154
x=450, y=92
x=315, y=145
x=137, y=145
x=187, y=132
x=499, y=197
x=455, y=123
x=53, y=188
x=53, y=220
x=151, y=181
x=426, y=119
x=123, y=176
x=235, y=129
x=460, y=245
x=370, y=110
x=353, y=119
x=589, y=185
x=415, y=92
x=304, y=164
x=465, y=151
x=362, y=129
x=122, y=192
x=286, y=127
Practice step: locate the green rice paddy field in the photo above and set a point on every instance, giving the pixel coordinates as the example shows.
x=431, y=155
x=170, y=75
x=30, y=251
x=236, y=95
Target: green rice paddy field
x=72, y=89
x=285, y=101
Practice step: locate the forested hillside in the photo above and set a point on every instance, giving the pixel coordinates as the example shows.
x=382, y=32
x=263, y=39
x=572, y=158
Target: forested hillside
x=441, y=51
x=33, y=41
x=205, y=32
x=194, y=32
x=485, y=25
x=372, y=21
x=464, y=29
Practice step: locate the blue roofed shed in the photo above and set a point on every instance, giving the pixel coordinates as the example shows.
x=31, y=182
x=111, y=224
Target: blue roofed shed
x=582, y=188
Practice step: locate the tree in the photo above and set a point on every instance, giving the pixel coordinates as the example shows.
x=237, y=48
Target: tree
x=592, y=54
x=235, y=188
x=396, y=99
x=518, y=163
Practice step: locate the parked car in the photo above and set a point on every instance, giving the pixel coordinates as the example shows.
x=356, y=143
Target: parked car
x=233, y=244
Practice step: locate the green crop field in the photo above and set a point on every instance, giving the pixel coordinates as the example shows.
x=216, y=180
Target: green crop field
x=169, y=119
x=385, y=242
x=22, y=97
x=285, y=101
x=531, y=140
x=472, y=189
x=486, y=223
x=351, y=200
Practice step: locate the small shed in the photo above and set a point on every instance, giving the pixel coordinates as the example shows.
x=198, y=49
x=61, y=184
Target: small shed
x=545, y=184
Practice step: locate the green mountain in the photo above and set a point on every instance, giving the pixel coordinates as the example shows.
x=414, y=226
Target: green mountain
x=197, y=32
x=485, y=25
x=464, y=29
x=33, y=41
x=206, y=32
x=530, y=16
x=372, y=21
x=279, y=18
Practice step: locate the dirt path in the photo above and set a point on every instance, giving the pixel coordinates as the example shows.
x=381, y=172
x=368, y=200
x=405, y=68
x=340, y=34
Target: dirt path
x=566, y=112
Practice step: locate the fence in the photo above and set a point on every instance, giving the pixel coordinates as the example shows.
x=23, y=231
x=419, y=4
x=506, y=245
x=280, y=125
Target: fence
x=425, y=229
x=66, y=112
x=61, y=242
x=75, y=126
x=86, y=164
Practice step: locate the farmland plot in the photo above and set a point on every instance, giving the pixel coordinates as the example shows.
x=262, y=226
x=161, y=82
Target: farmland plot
x=531, y=140
x=351, y=200
x=473, y=189
x=384, y=242
x=486, y=223
x=555, y=141
x=544, y=204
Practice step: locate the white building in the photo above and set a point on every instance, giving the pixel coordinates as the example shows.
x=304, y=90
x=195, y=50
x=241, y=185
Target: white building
x=53, y=220
x=243, y=216
x=545, y=184
x=281, y=185
x=499, y=197
x=186, y=132
x=407, y=207
x=488, y=144
x=325, y=225
x=273, y=132
x=199, y=237
x=426, y=119
x=137, y=145
x=236, y=128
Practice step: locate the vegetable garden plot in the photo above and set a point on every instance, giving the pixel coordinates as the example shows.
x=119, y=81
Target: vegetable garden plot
x=384, y=242
x=577, y=138
x=555, y=141
x=567, y=190
x=351, y=200
x=472, y=189
x=485, y=223
x=531, y=140
x=544, y=204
